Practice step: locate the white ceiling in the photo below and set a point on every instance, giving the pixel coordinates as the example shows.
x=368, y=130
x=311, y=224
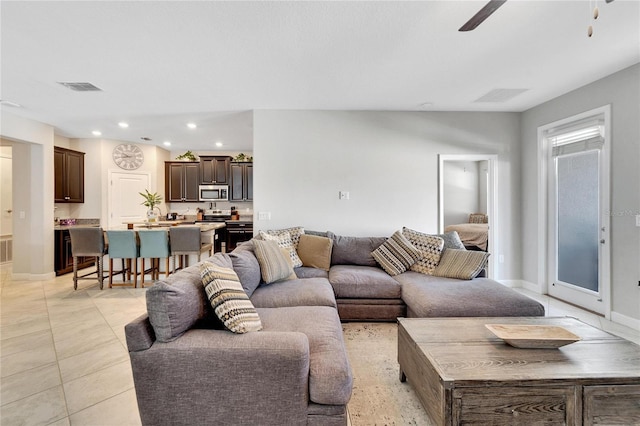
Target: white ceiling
x=161, y=64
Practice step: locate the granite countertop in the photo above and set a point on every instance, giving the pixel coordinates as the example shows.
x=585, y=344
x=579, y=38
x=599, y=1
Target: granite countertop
x=62, y=224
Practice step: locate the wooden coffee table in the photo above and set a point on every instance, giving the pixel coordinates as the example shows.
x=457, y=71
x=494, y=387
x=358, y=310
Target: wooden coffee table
x=463, y=374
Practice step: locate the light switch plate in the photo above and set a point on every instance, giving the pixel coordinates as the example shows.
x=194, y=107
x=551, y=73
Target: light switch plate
x=264, y=215
x=344, y=195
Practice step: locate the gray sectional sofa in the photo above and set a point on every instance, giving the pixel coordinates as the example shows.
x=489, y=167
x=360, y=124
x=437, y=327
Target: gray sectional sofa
x=188, y=369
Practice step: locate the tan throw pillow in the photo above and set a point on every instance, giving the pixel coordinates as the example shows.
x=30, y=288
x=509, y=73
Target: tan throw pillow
x=461, y=264
x=315, y=251
x=396, y=254
x=284, y=240
x=430, y=247
x=228, y=299
x=274, y=264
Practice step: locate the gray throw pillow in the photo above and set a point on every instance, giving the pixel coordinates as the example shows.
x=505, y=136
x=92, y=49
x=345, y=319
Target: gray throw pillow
x=176, y=304
x=246, y=265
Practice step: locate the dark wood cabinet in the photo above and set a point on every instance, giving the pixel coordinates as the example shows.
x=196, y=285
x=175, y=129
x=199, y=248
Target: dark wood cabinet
x=63, y=258
x=214, y=170
x=181, y=181
x=68, y=168
x=241, y=182
x=238, y=232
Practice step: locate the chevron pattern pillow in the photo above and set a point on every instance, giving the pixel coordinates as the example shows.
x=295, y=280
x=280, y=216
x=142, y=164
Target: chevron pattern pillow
x=228, y=299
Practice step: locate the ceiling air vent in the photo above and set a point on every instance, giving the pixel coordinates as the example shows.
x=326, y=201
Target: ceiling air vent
x=500, y=95
x=80, y=86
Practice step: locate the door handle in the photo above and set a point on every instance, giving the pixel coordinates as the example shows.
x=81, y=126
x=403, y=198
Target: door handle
x=602, y=241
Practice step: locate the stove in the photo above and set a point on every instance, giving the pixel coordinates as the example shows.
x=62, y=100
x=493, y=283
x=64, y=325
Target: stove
x=215, y=218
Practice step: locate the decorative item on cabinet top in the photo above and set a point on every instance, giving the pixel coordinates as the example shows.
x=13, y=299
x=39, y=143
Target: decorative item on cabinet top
x=188, y=156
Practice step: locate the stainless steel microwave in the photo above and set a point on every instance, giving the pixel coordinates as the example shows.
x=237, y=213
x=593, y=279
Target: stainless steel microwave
x=213, y=192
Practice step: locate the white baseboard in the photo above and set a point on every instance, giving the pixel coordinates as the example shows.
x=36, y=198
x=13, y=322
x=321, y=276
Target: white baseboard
x=625, y=320
x=522, y=284
x=33, y=277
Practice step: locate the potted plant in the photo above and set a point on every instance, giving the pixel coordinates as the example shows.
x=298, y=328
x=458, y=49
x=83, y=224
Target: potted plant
x=189, y=156
x=150, y=201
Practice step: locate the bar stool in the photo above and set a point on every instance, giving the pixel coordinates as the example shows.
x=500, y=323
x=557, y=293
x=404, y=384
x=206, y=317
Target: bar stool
x=87, y=242
x=154, y=245
x=123, y=245
x=186, y=240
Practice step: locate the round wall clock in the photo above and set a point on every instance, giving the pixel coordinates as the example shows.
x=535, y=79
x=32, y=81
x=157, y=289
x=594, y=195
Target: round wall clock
x=128, y=156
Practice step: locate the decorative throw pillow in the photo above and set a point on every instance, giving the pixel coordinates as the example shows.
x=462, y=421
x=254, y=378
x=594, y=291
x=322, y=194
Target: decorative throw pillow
x=228, y=300
x=295, y=233
x=396, y=254
x=274, y=264
x=315, y=251
x=461, y=264
x=430, y=247
x=284, y=240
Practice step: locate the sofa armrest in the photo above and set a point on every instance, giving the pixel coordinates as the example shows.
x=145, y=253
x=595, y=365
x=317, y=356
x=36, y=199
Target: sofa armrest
x=139, y=334
x=217, y=377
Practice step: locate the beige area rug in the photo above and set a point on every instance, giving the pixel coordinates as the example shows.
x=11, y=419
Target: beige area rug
x=379, y=398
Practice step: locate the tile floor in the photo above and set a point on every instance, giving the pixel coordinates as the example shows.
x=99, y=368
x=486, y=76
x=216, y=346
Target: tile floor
x=63, y=352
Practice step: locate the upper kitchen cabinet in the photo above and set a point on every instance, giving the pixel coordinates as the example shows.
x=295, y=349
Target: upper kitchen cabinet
x=68, y=168
x=241, y=182
x=214, y=170
x=181, y=181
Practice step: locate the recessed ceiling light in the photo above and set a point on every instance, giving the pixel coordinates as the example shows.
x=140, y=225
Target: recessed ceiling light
x=123, y=124
x=218, y=144
x=192, y=125
x=97, y=133
x=166, y=143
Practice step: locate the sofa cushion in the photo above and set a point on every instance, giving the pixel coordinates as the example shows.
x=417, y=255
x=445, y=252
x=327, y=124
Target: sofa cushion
x=228, y=299
x=354, y=250
x=396, y=254
x=284, y=241
x=176, y=303
x=246, y=265
x=315, y=251
x=431, y=296
x=298, y=292
x=369, y=282
x=430, y=247
x=461, y=264
x=274, y=265
x=330, y=377
x=305, y=272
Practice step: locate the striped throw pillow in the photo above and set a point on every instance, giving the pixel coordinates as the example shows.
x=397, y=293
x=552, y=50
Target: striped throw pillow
x=396, y=254
x=461, y=264
x=285, y=241
x=274, y=262
x=228, y=299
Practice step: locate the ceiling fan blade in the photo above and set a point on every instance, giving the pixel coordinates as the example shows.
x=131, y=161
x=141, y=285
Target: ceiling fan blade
x=483, y=14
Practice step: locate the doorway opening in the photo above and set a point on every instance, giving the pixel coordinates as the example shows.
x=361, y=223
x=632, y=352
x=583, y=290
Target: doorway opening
x=467, y=200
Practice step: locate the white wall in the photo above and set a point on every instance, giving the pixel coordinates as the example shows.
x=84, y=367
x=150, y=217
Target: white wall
x=32, y=168
x=388, y=161
x=622, y=91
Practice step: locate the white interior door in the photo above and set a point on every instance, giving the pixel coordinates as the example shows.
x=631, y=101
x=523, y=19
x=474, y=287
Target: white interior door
x=125, y=202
